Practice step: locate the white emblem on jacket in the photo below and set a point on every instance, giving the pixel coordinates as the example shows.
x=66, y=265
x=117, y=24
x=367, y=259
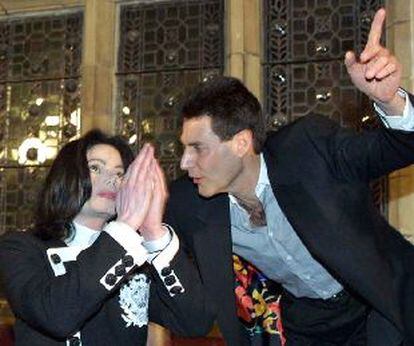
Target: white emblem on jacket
x=133, y=299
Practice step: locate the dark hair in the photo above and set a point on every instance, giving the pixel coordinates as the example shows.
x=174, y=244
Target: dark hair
x=68, y=186
x=231, y=107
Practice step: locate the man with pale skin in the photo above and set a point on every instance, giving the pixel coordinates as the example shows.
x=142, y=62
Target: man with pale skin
x=296, y=204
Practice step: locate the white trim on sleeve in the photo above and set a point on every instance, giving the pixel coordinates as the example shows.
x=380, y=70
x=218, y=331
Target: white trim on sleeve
x=162, y=261
x=405, y=121
x=129, y=239
x=160, y=243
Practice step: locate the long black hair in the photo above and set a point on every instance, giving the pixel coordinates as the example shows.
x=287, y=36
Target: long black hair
x=68, y=186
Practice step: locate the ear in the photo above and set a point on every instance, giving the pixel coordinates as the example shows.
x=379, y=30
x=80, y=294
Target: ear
x=242, y=143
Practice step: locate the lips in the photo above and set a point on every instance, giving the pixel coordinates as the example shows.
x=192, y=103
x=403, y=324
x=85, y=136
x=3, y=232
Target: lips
x=108, y=195
x=196, y=180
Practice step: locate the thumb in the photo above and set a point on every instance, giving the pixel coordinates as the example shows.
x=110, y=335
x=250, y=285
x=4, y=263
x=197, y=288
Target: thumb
x=350, y=59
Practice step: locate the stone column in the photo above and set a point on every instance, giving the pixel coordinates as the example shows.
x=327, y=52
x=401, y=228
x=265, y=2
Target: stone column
x=98, y=65
x=243, y=43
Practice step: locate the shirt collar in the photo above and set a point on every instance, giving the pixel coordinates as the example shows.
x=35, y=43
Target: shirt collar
x=83, y=237
x=262, y=182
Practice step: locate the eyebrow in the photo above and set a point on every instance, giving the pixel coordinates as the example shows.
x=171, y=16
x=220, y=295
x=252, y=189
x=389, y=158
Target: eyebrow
x=192, y=144
x=103, y=162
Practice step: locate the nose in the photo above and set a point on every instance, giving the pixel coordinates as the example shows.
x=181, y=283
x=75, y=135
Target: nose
x=113, y=181
x=186, y=161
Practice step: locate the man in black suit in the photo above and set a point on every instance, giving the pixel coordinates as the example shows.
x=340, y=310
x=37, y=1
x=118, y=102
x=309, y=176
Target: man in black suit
x=296, y=205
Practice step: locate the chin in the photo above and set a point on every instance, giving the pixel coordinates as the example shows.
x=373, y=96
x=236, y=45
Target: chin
x=205, y=192
x=110, y=213
x=105, y=212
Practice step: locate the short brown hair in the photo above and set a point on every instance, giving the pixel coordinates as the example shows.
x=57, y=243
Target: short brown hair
x=231, y=107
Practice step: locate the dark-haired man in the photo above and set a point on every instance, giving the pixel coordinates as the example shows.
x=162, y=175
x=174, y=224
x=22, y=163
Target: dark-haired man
x=296, y=209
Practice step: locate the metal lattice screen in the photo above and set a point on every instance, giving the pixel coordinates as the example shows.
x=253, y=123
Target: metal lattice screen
x=305, y=42
x=165, y=49
x=40, y=58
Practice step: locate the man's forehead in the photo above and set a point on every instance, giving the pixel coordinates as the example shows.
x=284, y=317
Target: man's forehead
x=198, y=124
x=199, y=120
x=197, y=129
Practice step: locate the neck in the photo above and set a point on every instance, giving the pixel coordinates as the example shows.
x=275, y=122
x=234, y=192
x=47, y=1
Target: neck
x=244, y=186
x=94, y=223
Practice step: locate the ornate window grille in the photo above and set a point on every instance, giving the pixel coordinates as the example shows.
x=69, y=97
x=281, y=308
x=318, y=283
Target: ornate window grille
x=40, y=59
x=166, y=47
x=305, y=42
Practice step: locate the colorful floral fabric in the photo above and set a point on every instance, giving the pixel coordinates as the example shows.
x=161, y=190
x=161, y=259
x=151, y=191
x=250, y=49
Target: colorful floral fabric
x=257, y=299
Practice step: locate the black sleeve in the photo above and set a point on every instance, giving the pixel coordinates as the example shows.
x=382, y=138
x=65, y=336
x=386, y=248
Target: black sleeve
x=359, y=156
x=188, y=313
x=56, y=305
x=191, y=313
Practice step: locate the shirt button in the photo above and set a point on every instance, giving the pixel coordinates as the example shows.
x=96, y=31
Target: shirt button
x=128, y=261
x=74, y=341
x=166, y=271
x=120, y=270
x=169, y=280
x=288, y=258
x=55, y=258
x=110, y=279
x=176, y=289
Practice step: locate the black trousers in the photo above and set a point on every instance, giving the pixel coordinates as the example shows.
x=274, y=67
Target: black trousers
x=338, y=321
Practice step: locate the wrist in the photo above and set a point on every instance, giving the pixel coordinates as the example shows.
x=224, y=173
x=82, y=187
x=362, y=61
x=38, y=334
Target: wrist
x=153, y=232
x=395, y=106
x=131, y=223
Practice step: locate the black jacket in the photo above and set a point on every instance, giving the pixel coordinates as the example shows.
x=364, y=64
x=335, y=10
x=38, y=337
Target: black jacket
x=51, y=309
x=320, y=176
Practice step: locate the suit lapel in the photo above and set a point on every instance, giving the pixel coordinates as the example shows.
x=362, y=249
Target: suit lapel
x=213, y=239
x=307, y=219
x=335, y=241
x=302, y=211
x=324, y=237
x=213, y=246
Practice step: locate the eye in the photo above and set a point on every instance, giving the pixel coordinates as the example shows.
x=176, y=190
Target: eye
x=120, y=174
x=197, y=148
x=94, y=168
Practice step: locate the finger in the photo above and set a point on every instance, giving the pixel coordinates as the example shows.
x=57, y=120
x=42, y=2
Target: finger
x=140, y=163
x=152, y=174
x=375, y=32
x=350, y=59
x=389, y=69
x=160, y=179
x=132, y=169
x=376, y=66
x=155, y=186
x=133, y=211
x=144, y=170
x=369, y=53
x=373, y=46
x=161, y=176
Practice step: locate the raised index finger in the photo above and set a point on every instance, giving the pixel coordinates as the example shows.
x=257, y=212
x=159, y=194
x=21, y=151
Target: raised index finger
x=375, y=32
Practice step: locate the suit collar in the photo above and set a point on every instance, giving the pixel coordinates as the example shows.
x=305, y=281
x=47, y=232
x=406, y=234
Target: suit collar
x=213, y=249
x=214, y=210
x=331, y=237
